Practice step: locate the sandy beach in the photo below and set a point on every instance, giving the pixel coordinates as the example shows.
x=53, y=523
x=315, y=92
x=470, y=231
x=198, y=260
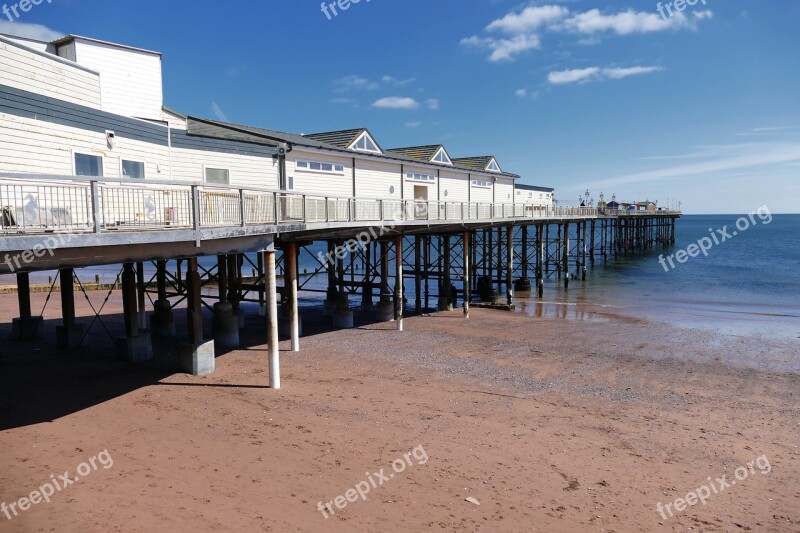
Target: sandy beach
x=549, y=424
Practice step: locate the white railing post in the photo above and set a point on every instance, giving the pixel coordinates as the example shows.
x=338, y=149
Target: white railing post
x=95, y=192
x=241, y=208
x=196, y=213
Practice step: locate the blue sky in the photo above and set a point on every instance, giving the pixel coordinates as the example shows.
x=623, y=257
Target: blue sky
x=703, y=106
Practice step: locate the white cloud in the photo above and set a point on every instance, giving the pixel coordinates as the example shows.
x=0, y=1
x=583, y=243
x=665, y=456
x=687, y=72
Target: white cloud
x=414, y=124
x=573, y=75
x=432, y=103
x=354, y=83
x=625, y=23
x=523, y=29
x=504, y=49
x=391, y=80
x=530, y=18
x=217, y=110
x=29, y=31
x=585, y=75
x=522, y=93
x=396, y=102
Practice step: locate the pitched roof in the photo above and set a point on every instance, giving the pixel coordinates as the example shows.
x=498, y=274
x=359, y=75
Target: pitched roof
x=478, y=163
x=342, y=138
x=224, y=130
x=423, y=153
x=524, y=187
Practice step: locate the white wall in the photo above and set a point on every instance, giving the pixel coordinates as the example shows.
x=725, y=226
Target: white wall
x=130, y=79
x=481, y=194
x=374, y=178
x=504, y=191
x=26, y=70
x=456, y=184
x=408, y=185
x=320, y=183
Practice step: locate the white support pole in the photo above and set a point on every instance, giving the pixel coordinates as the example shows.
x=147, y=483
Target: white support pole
x=399, y=282
x=272, y=322
x=291, y=282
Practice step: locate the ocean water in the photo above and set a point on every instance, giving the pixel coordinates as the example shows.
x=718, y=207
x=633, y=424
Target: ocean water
x=748, y=284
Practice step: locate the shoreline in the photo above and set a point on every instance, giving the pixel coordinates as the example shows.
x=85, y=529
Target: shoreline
x=551, y=424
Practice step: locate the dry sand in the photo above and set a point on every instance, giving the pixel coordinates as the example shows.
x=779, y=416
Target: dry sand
x=550, y=424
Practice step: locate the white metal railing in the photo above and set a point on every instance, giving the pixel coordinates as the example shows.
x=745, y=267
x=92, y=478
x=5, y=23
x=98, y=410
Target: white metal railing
x=35, y=204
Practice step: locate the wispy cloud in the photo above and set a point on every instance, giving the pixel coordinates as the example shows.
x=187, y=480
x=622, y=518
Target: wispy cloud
x=353, y=83
x=391, y=80
x=414, y=124
x=396, y=102
x=217, y=110
x=521, y=31
x=29, y=31
x=586, y=75
x=726, y=158
x=432, y=103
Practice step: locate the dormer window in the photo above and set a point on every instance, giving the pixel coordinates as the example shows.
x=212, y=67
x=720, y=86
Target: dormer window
x=365, y=144
x=441, y=157
x=493, y=166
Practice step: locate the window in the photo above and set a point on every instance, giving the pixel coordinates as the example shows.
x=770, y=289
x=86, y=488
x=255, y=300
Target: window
x=493, y=167
x=441, y=157
x=482, y=183
x=133, y=170
x=218, y=175
x=321, y=166
x=289, y=183
x=366, y=144
x=88, y=165
x=415, y=176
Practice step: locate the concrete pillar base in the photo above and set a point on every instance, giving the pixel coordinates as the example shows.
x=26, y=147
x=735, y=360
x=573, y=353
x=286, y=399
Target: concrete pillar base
x=69, y=338
x=343, y=320
x=445, y=304
x=137, y=349
x=367, y=306
x=385, y=311
x=240, y=317
x=25, y=329
x=144, y=321
x=198, y=359
x=162, y=322
x=226, y=326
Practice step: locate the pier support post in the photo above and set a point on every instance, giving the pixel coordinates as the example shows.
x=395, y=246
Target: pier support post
x=26, y=326
x=467, y=286
x=291, y=284
x=565, y=257
x=162, y=320
x=418, y=274
x=226, y=323
x=583, y=251
x=330, y=268
x=445, y=291
x=143, y=322
x=135, y=346
x=510, y=266
x=385, y=306
x=69, y=334
x=366, y=291
x=273, y=346
x=398, y=288
x=197, y=357
x=591, y=245
x=540, y=260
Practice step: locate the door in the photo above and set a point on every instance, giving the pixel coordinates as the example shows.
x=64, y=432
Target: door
x=420, y=202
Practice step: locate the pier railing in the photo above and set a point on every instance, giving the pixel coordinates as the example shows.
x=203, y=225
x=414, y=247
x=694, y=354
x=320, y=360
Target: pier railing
x=35, y=204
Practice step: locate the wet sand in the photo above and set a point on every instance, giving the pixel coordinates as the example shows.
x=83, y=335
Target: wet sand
x=551, y=424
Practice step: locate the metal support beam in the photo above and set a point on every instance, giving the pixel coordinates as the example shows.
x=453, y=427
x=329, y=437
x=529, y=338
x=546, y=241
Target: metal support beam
x=467, y=286
x=398, y=289
x=510, y=265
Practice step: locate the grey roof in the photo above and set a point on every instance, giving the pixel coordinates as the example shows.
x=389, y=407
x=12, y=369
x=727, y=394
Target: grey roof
x=533, y=188
x=224, y=130
x=342, y=138
x=479, y=163
x=71, y=37
x=422, y=153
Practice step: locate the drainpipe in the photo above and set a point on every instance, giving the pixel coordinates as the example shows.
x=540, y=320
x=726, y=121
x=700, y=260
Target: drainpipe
x=283, y=149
